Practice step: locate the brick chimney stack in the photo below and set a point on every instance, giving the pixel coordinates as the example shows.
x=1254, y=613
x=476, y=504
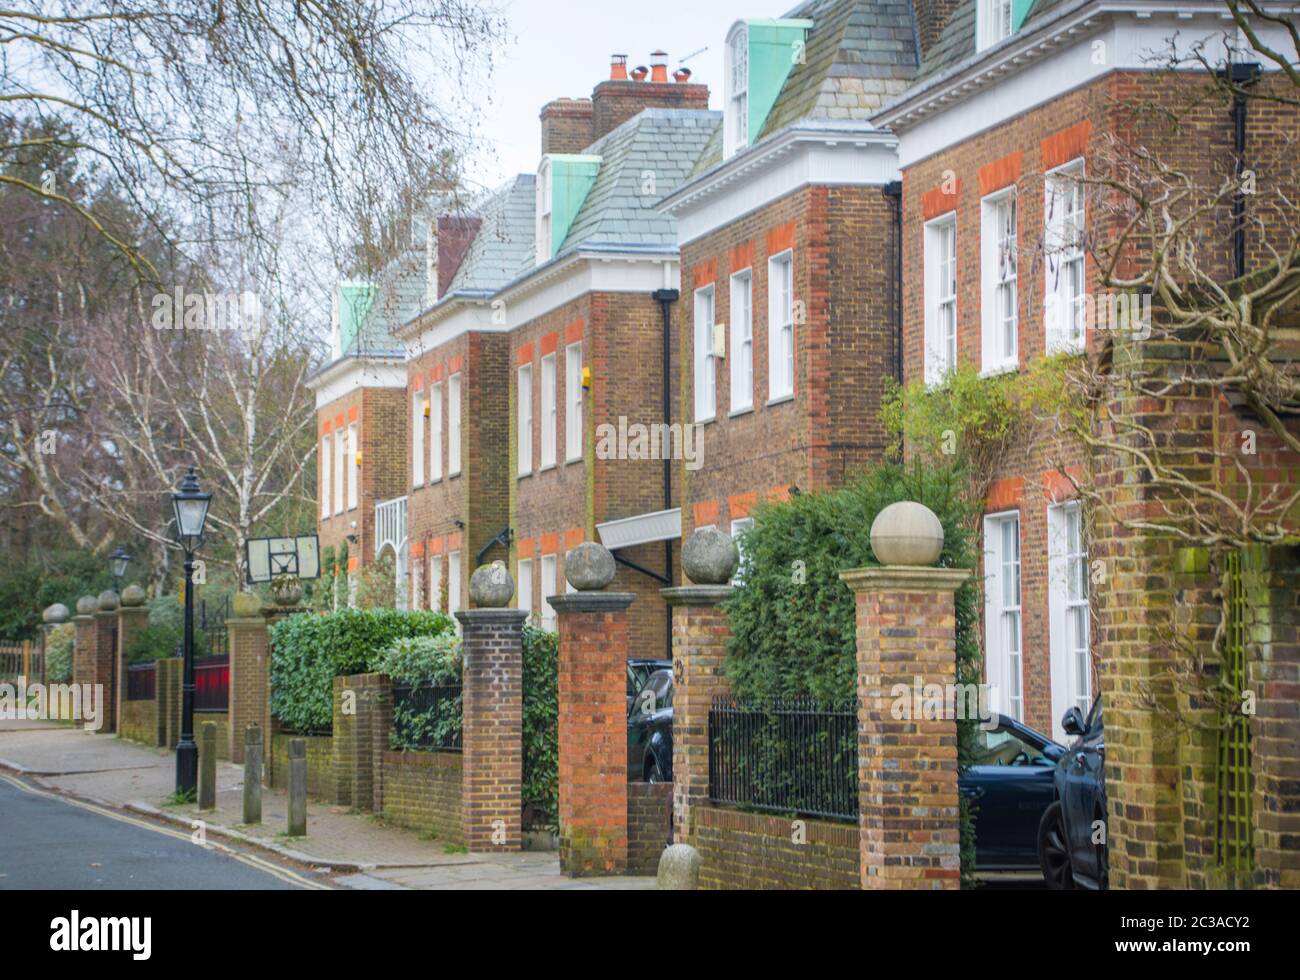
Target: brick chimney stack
x=932, y=17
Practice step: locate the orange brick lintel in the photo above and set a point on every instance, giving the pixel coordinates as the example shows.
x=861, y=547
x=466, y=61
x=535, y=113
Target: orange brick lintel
x=1006, y=494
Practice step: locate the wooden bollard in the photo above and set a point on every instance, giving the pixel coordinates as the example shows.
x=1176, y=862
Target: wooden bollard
x=208, y=767
x=297, y=788
x=253, y=774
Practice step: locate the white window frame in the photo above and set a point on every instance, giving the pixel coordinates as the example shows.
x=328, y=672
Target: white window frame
x=549, y=580
x=996, y=19
x=524, y=417
x=780, y=326
x=1003, y=613
x=353, y=481
x=326, y=474
x=435, y=433
x=544, y=212
x=453, y=585
x=340, y=461
x=435, y=583
x=525, y=596
x=706, y=375
x=1069, y=614
x=736, y=129
x=453, y=425
x=1065, y=286
x=550, y=416
x=742, y=341
x=940, y=297
x=573, y=403
x=418, y=404
x=1000, y=292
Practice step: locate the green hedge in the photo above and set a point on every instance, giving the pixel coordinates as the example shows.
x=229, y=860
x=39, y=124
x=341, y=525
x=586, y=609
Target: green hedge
x=58, y=653
x=308, y=651
x=541, y=789
x=793, y=620
x=166, y=628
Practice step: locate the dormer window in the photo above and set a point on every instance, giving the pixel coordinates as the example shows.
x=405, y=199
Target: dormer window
x=563, y=182
x=544, y=212
x=737, y=122
x=996, y=21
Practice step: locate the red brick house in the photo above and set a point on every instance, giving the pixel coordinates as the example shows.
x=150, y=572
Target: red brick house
x=1008, y=107
x=788, y=236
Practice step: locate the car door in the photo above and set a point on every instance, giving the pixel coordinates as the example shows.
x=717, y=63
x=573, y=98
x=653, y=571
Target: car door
x=646, y=707
x=1010, y=786
x=1082, y=794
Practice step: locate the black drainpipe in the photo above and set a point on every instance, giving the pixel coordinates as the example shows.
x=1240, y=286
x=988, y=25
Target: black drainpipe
x=1239, y=75
x=894, y=191
x=666, y=298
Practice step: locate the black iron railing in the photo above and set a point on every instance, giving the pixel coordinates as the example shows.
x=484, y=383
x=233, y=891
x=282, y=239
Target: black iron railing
x=141, y=681
x=792, y=756
x=211, y=622
x=426, y=717
x=212, y=684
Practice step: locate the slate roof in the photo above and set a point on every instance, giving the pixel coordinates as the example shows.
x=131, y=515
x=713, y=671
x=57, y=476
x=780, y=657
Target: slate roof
x=957, y=42
x=859, y=55
x=399, y=297
x=506, y=241
x=618, y=210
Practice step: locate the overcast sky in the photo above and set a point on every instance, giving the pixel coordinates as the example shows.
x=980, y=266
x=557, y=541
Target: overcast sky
x=562, y=48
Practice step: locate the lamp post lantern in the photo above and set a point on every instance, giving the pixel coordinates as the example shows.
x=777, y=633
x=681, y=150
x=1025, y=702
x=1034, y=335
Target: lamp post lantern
x=190, y=506
x=117, y=563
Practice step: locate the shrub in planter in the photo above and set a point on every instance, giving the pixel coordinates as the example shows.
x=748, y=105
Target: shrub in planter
x=541, y=789
x=793, y=620
x=308, y=651
x=425, y=662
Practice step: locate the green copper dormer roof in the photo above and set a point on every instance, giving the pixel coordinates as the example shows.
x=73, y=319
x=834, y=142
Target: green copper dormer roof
x=569, y=179
x=355, y=300
x=858, y=56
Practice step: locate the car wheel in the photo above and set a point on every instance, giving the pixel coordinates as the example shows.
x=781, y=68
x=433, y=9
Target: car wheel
x=653, y=774
x=1054, y=850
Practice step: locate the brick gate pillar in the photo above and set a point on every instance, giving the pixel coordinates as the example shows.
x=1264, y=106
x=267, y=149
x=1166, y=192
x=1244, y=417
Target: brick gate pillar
x=250, y=675
x=132, y=620
x=700, y=635
x=908, y=801
x=592, y=715
x=492, y=705
x=357, y=698
x=83, y=647
x=107, y=651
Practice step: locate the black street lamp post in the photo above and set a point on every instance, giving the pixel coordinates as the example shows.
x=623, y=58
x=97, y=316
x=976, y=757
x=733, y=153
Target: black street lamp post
x=117, y=563
x=191, y=510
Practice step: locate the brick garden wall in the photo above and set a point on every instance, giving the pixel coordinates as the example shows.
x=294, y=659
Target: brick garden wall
x=422, y=792
x=649, y=825
x=748, y=850
x=139, y=721
x=321, y=781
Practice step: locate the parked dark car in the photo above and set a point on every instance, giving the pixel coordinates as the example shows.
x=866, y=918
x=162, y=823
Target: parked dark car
x=1010, y=785
x=1072, y=833
x=639, y=670
x=650, y=730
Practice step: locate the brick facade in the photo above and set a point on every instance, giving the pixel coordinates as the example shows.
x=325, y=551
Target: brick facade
x=462, y=511
x=379, y=413
x=422, y=792
x=753, y=850
x=843, y=254
x=555, y=508
x=649, y=825
x=250, y=680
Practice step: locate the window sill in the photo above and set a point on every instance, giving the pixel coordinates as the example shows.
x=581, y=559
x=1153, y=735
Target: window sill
x=572, y=459
x=524, y=476
x=454, y=476
x=999, y=369
x=709, y=421
x=737, y=413
x=547, y=468
x=779, y=400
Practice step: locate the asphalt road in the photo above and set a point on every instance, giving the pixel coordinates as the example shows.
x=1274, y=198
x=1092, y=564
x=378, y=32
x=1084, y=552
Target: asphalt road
x=50, y=843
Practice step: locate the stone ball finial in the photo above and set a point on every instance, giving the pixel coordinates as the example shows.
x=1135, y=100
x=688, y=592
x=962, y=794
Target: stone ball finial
x=589, y=567
x=491, y=587
x=107, y=601
x=710, y=557
x=679, y=869
x=57, y=613
x=87, y=605
x=246, y=605
x=133, y=595
x=907, y=533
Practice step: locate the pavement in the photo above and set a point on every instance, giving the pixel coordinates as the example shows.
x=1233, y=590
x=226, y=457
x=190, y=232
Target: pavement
x=342, y=848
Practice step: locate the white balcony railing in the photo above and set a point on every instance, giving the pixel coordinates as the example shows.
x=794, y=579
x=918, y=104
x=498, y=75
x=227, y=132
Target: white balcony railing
x=390, y=532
